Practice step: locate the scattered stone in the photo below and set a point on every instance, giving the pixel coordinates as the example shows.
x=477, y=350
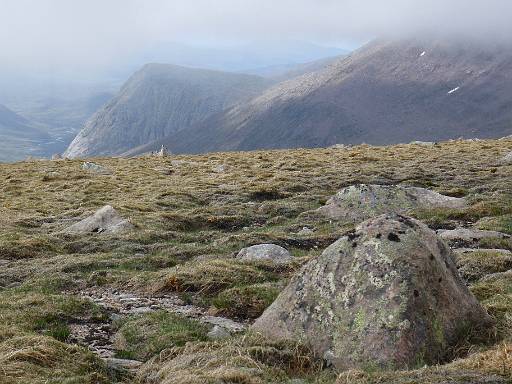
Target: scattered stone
x=265, y=252
x=57, y=156
x=507, y=159
x=95, y=168
x=468, y=237
x=221, y=168
x=424, y=143
x=361, y=202
x=465, y=251
x=121, y=365
x=340, y=146
x=386, y=295
x=218, y=333
x=305, y=231
x=106, y=220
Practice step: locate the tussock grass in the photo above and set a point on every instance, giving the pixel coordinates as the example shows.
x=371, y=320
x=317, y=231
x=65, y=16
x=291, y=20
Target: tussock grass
x=247, y=359
x=492, y=366
x=475, y=265
x=31, y=359
x=210, y=277
x=144, y=336
x=191, y=221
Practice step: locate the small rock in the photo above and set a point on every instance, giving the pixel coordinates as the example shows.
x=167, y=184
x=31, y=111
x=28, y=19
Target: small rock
x=227, y=324
x=305, y=231
x=462, y=237
x=57, y=156
x=507, y=159
x=265, y=252
x=219, y=168
x=218, y=333
x=423, y=143
x=104, y=220
x=465, y=251
x=122, y=364
x=340, y=146
x=95, y=168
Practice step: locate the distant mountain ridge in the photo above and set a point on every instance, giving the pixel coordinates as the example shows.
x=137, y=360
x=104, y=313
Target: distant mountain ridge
x=159, y=100
x=386, y=92
x=18, y=136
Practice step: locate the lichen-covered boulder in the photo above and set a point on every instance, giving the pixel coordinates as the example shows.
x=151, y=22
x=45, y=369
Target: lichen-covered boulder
x=265, y=252
x=364, y=201
x=105, y=220
x=387, y=295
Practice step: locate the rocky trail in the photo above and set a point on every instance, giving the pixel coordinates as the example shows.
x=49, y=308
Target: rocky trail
x=98, y=336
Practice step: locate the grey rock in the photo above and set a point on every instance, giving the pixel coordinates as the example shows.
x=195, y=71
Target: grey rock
x=222, y=322
x=507, y=159
x=265, y=252
x=470, y=235
x=305, y=231
x=57, y=156
x=95, y=168
x=340, y=146
x=105, y=220
x=221, y=168
x=423, y=143
x=361, y=202
x=218, y=333
x=123, y=364
x=465, y=251
x=387, y=295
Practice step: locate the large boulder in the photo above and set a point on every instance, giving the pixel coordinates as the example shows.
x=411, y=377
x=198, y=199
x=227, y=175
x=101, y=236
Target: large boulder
x=387, y=295
x=106, y=220
x=363, y=201
x=265, y=252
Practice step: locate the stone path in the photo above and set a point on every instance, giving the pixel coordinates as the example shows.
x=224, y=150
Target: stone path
x=98, y=336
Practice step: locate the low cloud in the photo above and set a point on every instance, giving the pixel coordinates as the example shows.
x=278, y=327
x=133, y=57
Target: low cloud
x=95, y=33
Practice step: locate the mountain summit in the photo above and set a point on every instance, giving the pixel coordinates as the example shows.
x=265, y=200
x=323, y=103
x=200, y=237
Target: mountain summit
x=386, y=92
x=157, y=101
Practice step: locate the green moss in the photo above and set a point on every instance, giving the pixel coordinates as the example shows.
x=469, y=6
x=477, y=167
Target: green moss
x=246, y=301
x=144, y=336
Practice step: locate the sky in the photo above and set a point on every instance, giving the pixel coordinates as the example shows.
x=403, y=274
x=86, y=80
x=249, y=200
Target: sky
x=99, y=33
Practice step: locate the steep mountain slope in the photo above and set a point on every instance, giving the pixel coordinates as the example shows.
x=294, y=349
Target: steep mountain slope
x=386, y=92
x=18, y=137
x=281, y=73
x=157, y=101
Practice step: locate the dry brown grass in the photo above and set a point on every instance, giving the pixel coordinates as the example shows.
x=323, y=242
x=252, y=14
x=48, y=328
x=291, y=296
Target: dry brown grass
x=191, y=221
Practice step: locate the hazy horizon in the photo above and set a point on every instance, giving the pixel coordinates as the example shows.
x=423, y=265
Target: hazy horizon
x=79, y=35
